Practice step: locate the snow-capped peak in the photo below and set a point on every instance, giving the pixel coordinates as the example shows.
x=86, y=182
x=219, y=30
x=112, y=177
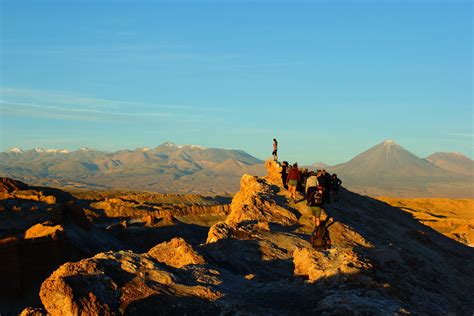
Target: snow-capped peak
x=144, y=149
x=173, y=145
x=51, y=151
x=389, y=142
x=170, y=144
x=57, y=151
x=15, y=150
x=196, y=146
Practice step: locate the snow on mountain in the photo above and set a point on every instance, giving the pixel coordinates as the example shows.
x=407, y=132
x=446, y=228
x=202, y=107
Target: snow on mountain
x=15, y=150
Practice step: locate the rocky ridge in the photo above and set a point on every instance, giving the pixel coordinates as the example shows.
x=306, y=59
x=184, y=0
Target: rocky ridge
x=259, y=261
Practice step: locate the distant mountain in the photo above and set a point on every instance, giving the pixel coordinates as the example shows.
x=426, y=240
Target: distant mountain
x=454, y=162
x=387, y=159
x=166, y=168
x=319, y=165
x=390, y=169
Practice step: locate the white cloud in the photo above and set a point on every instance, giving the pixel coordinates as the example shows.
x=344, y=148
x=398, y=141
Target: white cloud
x=60, y=105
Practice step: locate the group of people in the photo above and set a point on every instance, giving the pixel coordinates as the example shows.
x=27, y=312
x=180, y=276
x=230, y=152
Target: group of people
x=319, y=187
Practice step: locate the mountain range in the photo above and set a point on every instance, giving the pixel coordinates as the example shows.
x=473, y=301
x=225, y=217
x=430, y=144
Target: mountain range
x=166, y=168
x=385, y=169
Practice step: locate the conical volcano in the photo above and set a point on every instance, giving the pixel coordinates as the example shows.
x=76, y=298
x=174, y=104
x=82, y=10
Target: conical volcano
x=388, y=168
x=387, y=159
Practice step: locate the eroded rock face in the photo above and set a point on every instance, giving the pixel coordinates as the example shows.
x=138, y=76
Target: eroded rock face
x=318, y=265
x=136, y=207
x=257, y=201
x=274, y=172
x=176, y=253
x=259, y=261
x=121, y=282
x=43, y=230
x=219, y=231
x=33, y=311
x=8, y=185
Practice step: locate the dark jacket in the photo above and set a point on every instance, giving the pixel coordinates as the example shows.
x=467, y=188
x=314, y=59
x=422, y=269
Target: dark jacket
x=322, y=181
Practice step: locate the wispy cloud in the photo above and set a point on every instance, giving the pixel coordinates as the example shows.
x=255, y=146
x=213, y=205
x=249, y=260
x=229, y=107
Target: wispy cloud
x=465, y=135
x=126, y=52
x=59, y=105
x=58, y=112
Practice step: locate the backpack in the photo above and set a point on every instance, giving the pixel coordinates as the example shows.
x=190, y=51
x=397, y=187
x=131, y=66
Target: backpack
x=316, y=198
x=320, y=238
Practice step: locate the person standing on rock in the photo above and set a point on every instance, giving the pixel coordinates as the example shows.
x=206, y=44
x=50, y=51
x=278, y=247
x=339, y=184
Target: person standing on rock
x=275, y=150
x=292, y=180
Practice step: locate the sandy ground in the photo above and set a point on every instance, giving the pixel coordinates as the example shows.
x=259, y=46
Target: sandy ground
x=453, y=218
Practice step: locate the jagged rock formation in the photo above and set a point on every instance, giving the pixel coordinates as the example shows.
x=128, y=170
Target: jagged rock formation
x=8, y=185
x=126, y=283
x=118, y=207
x=274, y=172
x=257, y=201
x=32, y=241
x=259, y=261
x=41, y=228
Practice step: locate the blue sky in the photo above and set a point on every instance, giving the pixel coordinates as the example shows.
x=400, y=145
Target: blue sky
x=328, y=79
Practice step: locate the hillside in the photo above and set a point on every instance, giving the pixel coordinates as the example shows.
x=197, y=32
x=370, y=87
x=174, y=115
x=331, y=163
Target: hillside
x=389, y=169
x=166, y=168
x=454, y=162
x=252, y=256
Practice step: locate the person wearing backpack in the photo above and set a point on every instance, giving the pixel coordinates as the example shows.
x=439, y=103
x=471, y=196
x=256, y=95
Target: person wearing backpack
x=320, y=238
x=315, y=204
x=311, y=185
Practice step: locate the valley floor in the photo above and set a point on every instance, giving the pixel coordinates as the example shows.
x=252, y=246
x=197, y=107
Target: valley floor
x=453, y=218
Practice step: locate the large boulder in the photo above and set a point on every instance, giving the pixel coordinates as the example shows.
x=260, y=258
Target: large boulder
x=176, y=253
x=45, y=230
x=123, y=283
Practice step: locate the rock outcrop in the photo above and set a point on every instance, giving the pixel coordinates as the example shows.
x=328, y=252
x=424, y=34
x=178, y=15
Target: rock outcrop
x=45, y=229
x=259, y=261
x=274, y=172
x=120, y=207
x=176, y=253
x=123, y=283
x=257, y=201
x=8, y=185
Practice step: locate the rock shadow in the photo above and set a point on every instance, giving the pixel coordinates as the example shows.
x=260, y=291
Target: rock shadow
x=412, y=258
